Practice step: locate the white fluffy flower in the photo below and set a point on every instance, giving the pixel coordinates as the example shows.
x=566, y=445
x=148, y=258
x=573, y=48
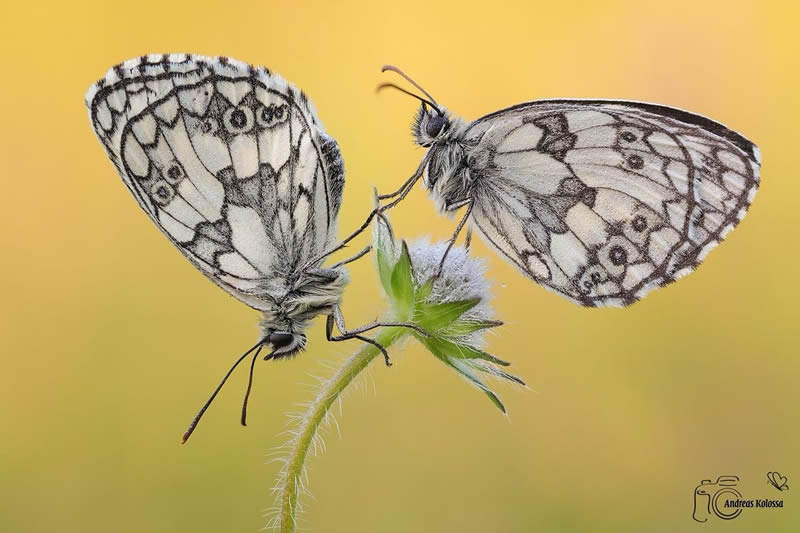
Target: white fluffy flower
x=453, y=308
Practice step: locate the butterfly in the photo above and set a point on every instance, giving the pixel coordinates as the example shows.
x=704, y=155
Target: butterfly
x=232, y=164
x=778, y=481
x=600, y=201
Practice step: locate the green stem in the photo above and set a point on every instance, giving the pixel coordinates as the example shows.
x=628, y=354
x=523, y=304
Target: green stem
x=314, y=416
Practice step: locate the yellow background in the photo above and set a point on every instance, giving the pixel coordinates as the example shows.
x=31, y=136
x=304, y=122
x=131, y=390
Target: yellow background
x=110, y=340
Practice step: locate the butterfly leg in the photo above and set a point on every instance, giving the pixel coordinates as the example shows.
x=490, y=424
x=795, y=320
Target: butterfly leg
x=327, y=274
x=337, y=318
x=468, y=239
x=343, y=243
x=409, y=183
x=336, y=338
x=378, y=211
x=460, y=226
x=359, y=255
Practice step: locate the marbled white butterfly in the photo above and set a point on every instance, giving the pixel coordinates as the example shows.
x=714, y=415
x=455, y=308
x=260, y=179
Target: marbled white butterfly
x=232, y=164
x=598, y=200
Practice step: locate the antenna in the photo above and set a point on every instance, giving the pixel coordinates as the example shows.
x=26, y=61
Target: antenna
x=409, y=93
x=202, y=411
x=250, y=383
x=431, y=100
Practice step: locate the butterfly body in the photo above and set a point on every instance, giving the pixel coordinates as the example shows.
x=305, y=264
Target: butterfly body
x=232, y=164
x=598, y=200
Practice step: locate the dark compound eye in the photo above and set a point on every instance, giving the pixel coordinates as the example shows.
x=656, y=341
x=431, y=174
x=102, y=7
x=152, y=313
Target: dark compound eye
x=281, y=340
x=435, y=125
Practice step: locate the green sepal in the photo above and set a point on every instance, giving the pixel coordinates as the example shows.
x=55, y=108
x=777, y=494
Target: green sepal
x=439, y=316
x=450, y=349
x=384, y=267
x=492, y=396
x=469, y=376
x=403, y=283
x=460, y=328
x=481, y=385
x=505, y=375
x=424, y=291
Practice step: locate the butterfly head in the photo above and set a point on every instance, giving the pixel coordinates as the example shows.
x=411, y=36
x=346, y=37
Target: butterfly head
x=430, y=125
x=285, y=343
x=312, y=293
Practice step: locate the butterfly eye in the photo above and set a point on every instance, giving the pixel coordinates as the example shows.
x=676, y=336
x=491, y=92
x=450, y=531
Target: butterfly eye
x=281, y=340
x=435, y=125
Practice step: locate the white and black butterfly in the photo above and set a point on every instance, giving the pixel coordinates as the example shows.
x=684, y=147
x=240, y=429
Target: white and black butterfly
x=598, y=200
x=232, y=164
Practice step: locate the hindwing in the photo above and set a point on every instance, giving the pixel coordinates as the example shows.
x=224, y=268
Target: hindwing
x=603, y=201
x=230, y=161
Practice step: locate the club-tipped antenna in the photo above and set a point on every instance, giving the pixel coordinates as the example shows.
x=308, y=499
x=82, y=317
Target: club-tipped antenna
x=202, y=410
x=250, y=383
x=389, y=85
x=431, y=100
x=409, y=80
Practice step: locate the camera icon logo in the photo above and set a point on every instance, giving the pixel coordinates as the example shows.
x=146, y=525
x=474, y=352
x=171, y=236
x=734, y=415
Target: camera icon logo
x=710, y=497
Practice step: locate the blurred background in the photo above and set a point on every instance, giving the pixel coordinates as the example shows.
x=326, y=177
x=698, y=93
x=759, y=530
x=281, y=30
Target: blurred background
x=110, y=340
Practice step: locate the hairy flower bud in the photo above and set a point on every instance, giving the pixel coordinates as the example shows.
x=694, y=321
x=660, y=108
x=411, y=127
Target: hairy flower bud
x=452, y=308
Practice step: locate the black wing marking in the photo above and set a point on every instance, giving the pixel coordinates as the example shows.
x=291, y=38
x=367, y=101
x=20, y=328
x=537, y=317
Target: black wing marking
x=602, y=201
x=230, y=162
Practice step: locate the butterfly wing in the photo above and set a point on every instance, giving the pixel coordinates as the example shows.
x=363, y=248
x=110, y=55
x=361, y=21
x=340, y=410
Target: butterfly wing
x=230, y=161
x=602, y=201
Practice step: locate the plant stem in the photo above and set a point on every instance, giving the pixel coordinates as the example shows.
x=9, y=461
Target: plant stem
x=313, y=417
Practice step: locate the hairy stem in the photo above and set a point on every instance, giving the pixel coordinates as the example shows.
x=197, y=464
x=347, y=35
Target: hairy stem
x=314, y=416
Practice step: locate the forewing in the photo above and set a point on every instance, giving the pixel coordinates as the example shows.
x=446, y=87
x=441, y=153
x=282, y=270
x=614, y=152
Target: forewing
x=603, y=201
x=230, y=162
